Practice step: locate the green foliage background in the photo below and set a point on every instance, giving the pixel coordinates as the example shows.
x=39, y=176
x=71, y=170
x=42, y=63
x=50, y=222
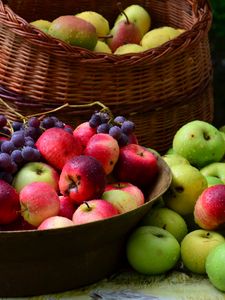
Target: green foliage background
x=218, y=26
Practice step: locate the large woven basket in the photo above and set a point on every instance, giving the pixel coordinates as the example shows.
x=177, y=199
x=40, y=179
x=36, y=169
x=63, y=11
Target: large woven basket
x=160, y=89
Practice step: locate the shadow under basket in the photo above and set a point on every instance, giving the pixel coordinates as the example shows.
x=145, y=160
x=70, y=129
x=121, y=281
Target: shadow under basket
x=160, y=89
x=39, y=262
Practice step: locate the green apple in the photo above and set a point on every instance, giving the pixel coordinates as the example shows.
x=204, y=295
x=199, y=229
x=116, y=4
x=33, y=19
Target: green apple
x=121, y=200
x=158, y=36
x=174, y=159
x=170, y=151
x=168, y=219
x=102, y=47
x=137, y=15
x=152, y=250
x=41, y=24
x=128, y=48
x=215, y=170
x=96, y=19
x=212, y=180
x=196, y=246
x=186, y=186
x=35, y=172
x=215, y=267
x=200, y=143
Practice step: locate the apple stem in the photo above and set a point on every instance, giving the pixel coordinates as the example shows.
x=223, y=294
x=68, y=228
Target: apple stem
x=88, y=206
x=119, y=5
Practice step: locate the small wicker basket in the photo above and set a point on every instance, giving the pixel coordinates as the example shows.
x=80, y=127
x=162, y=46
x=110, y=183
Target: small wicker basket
x=160, y=89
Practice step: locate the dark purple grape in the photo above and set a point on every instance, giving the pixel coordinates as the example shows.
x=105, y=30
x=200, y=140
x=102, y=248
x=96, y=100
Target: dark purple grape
x=128, y=127
x=7, y=147
x=123, y=140
x=5, y=160
x=12, y=168
x=103, y=128
x=104, y=117
x=3, y=121
x=30, y=154
x=18, y=139
x=16, y=156
x=59, y=124
x=119, y=119
x=32, y=132
x=115, y=132
x=95, y=120
x=34, y=122
x=54, y=118
x=48, y=122
x=29, y=141
x=17, y=125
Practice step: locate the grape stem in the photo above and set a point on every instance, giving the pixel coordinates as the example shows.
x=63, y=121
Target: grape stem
x=25, y=118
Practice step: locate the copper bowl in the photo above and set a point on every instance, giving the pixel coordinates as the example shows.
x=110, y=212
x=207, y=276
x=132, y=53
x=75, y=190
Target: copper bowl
x=36, y=262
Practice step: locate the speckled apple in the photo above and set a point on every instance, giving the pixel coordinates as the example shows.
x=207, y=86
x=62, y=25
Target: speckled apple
x=105, y=149
x=82, y=178
x=83, y=133
x=57, y=146
x=94, y=210
x=210, y=206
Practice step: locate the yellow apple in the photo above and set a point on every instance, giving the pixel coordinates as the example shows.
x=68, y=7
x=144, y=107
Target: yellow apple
x=158, y=36
x=129, y=48
x=102, y=47
x=41, y=24
x=96, y=19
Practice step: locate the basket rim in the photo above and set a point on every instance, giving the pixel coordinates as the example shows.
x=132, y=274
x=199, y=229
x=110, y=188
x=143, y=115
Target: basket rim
x=201, y=11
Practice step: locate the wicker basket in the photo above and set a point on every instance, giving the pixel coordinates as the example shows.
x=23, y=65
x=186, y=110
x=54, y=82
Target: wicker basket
x=160, y=89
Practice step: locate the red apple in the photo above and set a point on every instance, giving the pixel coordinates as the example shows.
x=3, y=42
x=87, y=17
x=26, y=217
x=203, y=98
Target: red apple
x=128, y=187
x=93, y=210
x=17, y=225
x=67, y=207
x=57, y=146
x=55, y=222
x=38, y=201
x=132, y=139
x=136, y=165
x=105, y=149
x=9, y=203
x=209, y=210
x=83, y=133
x=82, y=178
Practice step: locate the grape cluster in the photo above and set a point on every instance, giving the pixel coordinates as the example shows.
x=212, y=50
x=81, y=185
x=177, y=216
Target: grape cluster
x=17, y=145
x=119, y=127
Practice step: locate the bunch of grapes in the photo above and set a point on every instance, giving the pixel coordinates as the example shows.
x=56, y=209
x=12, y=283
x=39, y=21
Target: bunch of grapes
x=18, y=145
x=119, y=127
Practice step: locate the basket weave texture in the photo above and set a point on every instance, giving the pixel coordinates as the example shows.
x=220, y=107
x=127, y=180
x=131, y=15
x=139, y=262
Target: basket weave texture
x=160, y=89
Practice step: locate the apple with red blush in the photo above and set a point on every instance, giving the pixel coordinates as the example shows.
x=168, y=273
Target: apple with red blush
x=55, y=222
x=57, y=146
x=137, y=165
x=93, y=210
x=210, y=206
x=83, y=133
x=135, y=191
x=67, y=207
x=82, y=178
x=105, y=149
x=9, y=203
x=38, y=201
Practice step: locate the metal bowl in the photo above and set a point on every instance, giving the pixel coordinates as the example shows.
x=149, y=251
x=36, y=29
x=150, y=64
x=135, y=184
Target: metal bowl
x=36, y=262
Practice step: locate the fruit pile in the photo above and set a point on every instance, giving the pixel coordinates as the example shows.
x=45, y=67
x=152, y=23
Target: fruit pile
x=53, y=175
x=185, y=229
x=131, y=32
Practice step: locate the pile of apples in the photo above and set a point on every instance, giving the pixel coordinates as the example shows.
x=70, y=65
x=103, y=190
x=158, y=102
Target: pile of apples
x=81, y=175
x=131, y=32
x=185, y=229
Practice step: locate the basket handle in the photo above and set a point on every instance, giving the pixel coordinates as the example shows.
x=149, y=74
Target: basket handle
x=199, y=5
